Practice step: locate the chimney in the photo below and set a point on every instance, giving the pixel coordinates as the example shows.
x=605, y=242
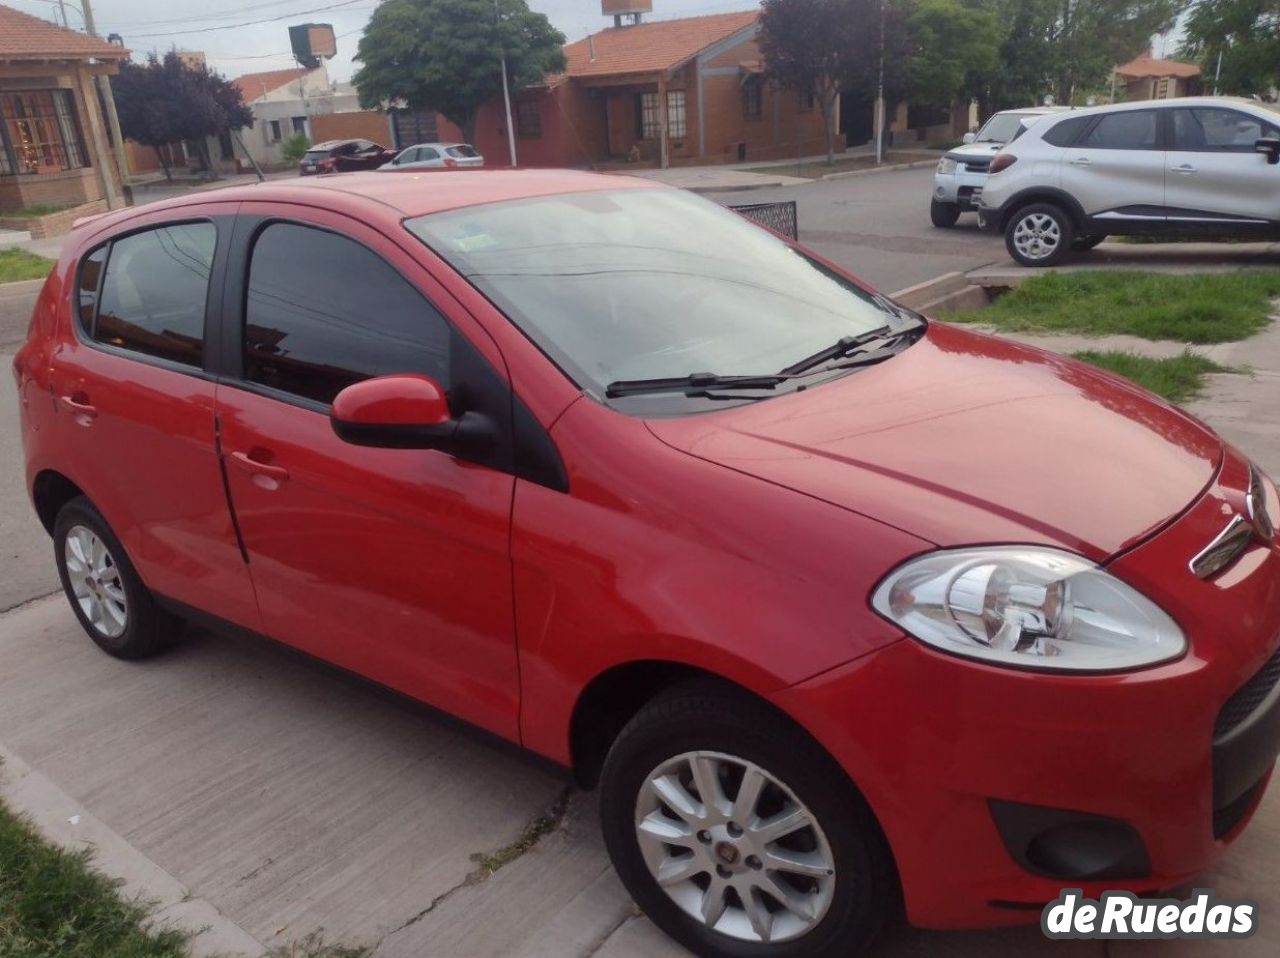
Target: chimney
x=591, y=47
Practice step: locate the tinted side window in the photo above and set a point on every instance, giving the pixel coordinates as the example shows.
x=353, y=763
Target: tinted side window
x=153, y=295
x=1066, y=132
x=1218, y=130
x=324, y=312
x=90, y=284
x=427, y=153
x=1127, y=130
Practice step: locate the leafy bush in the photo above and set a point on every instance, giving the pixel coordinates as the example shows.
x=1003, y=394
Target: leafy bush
x=295, y=147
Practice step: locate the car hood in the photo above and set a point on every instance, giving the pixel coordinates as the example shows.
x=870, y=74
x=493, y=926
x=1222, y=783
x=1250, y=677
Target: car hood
x=965, y=439
x=970, y=150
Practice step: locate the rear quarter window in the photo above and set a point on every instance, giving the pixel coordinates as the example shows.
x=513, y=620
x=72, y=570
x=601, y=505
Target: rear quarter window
x=1066, y=132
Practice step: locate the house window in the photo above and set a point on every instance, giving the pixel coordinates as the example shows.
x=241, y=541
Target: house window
x=275, y=131
x=806, y=100
x=41, y=133
x=752, y=99
x=528, y=120
x=677, y=126
x=648, y=122
x=299, y=124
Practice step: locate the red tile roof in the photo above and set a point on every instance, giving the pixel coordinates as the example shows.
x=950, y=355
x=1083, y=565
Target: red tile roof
x=1145, y=66
x=650, y=47
x=24, y=37
x=254, y=85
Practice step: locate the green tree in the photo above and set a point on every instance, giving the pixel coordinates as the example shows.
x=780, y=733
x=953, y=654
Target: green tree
x=809, y=46
x=446, y=55
x=166, y=101
x=950, y=43
x=1246, y=33
x=295, y=147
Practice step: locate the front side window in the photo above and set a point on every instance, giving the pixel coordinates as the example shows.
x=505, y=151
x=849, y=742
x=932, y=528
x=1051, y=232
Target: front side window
x=1217, y=130
x=153, y=295
x=1127, y=130
x=646, y=284
x=324, y=312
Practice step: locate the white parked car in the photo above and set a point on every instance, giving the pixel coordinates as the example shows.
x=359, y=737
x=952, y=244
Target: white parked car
x=1206, y=166
x=958, y=182
x=425, y=155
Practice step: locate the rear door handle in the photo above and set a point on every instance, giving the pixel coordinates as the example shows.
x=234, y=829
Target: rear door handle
x=251, y=465
x=1184, y=168
x=1080, y=161
x=80, y=405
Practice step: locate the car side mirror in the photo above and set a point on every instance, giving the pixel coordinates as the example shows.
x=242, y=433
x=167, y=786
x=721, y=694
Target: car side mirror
x=1271, y=147
x=406, y=411
x=969, y=137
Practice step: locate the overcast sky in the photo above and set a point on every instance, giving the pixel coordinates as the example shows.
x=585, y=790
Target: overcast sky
x=234, y=46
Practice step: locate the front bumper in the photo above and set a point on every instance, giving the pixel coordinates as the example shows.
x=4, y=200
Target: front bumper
x=942, y=747
x=962, y=188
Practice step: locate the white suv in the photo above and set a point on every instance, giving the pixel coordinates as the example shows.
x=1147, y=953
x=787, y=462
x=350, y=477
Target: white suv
x=1196, y=165
x=958, y=181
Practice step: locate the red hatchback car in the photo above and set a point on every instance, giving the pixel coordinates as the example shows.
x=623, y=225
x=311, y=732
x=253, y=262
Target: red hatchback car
x=836, y=605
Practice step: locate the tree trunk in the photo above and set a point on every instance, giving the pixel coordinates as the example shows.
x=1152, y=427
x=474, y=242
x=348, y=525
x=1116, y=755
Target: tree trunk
x=164, y=164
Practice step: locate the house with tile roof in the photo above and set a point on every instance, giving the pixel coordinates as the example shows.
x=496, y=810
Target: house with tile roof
x=56, y=147
x=668, y=92
x=1152, y=78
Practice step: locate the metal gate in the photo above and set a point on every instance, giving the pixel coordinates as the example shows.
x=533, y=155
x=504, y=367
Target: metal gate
x=780, y=217
x=409, y=128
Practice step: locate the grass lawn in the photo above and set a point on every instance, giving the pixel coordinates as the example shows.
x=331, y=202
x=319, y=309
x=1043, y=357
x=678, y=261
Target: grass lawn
x=1187, y=308
x=39, y=209
x=1177, y=380
x=16, y=264
x=54, y=904
x=842, y=164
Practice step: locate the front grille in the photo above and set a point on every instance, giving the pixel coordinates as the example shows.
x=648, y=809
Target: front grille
x=1228, y=817
x=1248, y=697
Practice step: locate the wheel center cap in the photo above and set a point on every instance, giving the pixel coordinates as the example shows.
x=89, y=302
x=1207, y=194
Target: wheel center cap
x=727, y=853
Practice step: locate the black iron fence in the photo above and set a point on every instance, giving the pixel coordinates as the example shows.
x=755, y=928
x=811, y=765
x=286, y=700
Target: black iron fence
x=780, y=217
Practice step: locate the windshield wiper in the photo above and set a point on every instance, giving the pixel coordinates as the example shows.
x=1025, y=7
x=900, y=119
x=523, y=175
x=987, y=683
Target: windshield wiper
x=694, y=383
x=841, y=347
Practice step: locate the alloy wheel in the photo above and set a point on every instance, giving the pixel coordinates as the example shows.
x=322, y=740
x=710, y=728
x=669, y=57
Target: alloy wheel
x=95, y=581
x=734, y=848
x=1037, y=236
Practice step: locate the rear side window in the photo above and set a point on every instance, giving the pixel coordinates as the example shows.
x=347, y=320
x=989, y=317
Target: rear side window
x=462, y=152
x=1211, y=129
x=324, y=312
x=1066, y=132
x=1127, y=130
x=152, y=298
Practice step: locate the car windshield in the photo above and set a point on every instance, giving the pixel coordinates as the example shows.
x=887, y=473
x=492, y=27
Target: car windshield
x=642, y=284
x=1002, y=127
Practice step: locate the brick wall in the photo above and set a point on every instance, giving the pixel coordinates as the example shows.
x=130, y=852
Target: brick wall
x=51, y=189
x=359, y=125
x=56, y=224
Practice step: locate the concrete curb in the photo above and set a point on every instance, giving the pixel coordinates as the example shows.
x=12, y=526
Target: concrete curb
x=20, y=289
x=743, y=188
x=61, y=819
x=848, y=174
x=915, y=296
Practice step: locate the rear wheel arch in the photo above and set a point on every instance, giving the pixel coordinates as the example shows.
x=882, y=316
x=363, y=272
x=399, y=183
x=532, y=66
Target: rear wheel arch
x=50, y=492
x=1055, y=197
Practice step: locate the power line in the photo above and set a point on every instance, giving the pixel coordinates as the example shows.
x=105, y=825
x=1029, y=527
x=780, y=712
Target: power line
x=247, y=23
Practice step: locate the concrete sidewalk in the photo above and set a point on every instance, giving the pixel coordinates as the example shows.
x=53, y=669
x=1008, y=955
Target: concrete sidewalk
x=1150, y=257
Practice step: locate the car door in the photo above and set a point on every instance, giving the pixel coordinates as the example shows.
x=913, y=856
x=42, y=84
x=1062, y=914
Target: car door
x=1214, y=172
x=407, y=157
x=393, y=563
x=1115, y=170
x=133, y=389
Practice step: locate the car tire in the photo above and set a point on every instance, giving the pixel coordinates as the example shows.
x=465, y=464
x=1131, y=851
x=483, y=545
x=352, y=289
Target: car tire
x=105, y=591
x=1039, y=234
x=730, y=737
x=943, y=215
x=1082, y=244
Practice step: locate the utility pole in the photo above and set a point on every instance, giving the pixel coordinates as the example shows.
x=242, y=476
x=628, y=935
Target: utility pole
x=879, y=117
x=506, y=93
x=104, y=87
x=1217, y=74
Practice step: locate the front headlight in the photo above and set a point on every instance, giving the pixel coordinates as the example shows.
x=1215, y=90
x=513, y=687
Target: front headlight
x=946, y=166
x=1028, y=607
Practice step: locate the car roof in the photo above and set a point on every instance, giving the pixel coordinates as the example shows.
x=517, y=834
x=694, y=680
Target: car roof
x=442, y=146
x=1234, y=102
x=400, y=194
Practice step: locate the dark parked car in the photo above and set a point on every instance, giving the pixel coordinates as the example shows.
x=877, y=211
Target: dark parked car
x=343, y=156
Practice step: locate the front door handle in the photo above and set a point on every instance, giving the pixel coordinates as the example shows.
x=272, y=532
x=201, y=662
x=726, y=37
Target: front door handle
x=251, y=465
x=1184, y=168
x=1080, y=161
x=80, y=405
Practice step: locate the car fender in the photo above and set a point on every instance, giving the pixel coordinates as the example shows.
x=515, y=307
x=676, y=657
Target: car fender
x=1041, y=194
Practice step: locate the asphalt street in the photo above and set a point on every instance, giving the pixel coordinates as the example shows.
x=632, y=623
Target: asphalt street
x=877, y=227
